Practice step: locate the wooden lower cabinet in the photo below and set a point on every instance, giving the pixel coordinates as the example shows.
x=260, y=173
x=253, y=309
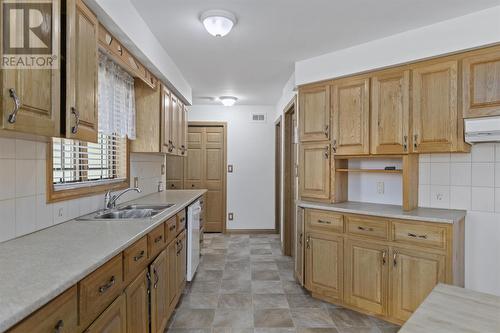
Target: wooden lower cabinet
x=138, y=304
x=171, y=294
x=113, y=319
x=159, y=272
x=366, y=276
x=181, y=262
x=413, y=276
x=324, y=258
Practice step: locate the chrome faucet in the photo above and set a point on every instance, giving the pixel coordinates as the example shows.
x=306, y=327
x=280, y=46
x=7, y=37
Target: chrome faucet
x=110, y=201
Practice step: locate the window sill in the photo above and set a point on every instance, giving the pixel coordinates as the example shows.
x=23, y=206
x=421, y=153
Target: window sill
x=83, y=191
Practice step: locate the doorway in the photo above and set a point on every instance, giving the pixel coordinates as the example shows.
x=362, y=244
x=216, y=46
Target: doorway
x=290, y=178
x=205, y=168
x=277, y=176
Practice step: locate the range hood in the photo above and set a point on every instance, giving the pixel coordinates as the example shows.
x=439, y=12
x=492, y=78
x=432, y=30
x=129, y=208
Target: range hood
x=485, y=129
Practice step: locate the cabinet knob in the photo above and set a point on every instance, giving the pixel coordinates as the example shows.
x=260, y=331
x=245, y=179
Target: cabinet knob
x=17, y=105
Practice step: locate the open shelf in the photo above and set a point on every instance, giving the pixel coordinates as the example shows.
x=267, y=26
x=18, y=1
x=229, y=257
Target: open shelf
x=397, y=171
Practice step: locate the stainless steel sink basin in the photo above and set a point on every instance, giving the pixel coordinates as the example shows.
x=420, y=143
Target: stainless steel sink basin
x=130, y=212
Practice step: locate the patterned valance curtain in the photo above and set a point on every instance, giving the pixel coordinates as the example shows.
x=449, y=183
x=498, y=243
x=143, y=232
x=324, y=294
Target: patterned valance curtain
x=116, y=99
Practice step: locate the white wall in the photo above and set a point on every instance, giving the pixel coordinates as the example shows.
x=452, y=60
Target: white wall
x=123, y=20
x=469, y=31
x=23, y=206
x=250, y=188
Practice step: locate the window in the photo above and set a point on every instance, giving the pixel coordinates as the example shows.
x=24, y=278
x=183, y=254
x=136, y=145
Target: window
x=81, y=164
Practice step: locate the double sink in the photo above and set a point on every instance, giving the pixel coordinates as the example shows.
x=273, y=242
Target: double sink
x=129, y=212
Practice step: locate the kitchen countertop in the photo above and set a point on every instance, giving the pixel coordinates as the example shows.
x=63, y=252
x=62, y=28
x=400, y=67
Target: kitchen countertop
x=38, y=267
x=450, y=309
x=390, y=211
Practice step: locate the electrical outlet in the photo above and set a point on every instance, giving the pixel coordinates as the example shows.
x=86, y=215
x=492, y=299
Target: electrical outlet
x=380, y=187
x=230, y=216
x=439, y=196
x=60, y=212
x=163, y=169
x=136, y=181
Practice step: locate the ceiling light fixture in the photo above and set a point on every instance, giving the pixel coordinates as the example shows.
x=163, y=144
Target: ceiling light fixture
x=228, y=100
x=218, y=22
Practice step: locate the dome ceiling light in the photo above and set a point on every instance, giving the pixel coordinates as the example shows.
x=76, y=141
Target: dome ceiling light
x=218, y=22
x=228, y=100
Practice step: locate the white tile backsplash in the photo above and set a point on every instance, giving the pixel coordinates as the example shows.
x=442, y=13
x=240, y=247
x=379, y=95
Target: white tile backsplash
x=23, y=206
x=460, y=197
x=440, y=196
x=424, y=173
x=483, y=174
x=460, y=174
x=440, y=173
x=483, y=199
x=484, y=152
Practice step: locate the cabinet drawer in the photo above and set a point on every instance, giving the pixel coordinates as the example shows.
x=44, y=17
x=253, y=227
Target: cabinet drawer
x=156, y=241
x=320, y=219
x=135, y=258
x=421, y=234
x=99, y=289
x=171, y=229
x=174, y=185
x=181, y=221
x=61, y=312
x=367, y=226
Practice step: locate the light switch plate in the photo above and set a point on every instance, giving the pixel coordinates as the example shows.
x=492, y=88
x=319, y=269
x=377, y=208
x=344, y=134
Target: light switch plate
x=230, y=216
x=380, y=187
x=136, y=181
x=230, y=168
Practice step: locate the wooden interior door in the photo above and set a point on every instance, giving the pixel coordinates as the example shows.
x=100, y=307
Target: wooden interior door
x=435, y=107
x=314, y=113
x=194, y=161
x=314, y=170
x=290, y=179
x=390, y=112
x=350, y=120
x=138, y=304
x=413, y=276
x=112, y=320
x=82, y=66
x=324, y=260
x=481, y=84
x=366, y=273
x=159, y=272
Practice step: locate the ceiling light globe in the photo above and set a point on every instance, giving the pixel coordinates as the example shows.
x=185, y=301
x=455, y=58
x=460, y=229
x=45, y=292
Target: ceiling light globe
x=228, y=100
x=218, y=23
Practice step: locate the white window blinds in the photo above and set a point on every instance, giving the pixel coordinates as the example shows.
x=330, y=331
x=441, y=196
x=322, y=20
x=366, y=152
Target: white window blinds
x=116, y=99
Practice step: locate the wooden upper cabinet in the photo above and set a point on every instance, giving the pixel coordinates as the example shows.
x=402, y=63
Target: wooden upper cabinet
x=390, y=112
x=435, y=107
x=175, y=118
x=36, y=92
x=414, y=274
x=481, y=84
x=166, y=120
x=314, y=171
x=184, y=131
x=314, y=113
x=147, y=128
x=366, y=273
x=350, y=116
x=81, y=72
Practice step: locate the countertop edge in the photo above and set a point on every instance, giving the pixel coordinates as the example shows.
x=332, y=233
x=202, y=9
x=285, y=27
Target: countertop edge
x=16, y=318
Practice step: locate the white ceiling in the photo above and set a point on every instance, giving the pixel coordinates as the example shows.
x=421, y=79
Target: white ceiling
x=256, y=59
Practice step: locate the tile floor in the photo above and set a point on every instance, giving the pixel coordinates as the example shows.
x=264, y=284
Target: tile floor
x=245, y=285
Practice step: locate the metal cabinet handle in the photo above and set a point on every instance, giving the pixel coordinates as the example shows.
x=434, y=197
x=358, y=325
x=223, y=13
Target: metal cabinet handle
x=417, y=236
x=17, y=105
x=300, y=239
x=180, y=249
x=75, y=112
x=59, y=326
x=405, y=143
x=334, y=145
x=148, y=277
x=327, y=153
x=415, y=141
x=157, y=278
x=308, y=242
x=158, y=239
x=139, y=256
x=365, y=229
x=384, y=255
x=326, y=130
x=395, y=259
x=108, y=285
x=324, y=222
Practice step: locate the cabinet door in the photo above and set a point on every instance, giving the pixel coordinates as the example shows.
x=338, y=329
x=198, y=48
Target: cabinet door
x=158, y=271
x=37, y=92
x=314, y=112
x=184, y=128
x=147, y=115
x=314, y=171
x=435, y=124
x=166, y=120
x=137, y=304
x=171, y=274
x=81, y=68
x=366, y=273
x=413, y=276
x=112, y=320
x=175, y=125
x=181, y=262
x=324, y=260
x=481, y=84
x=175, y=172
x=299, y=246
x=390, y=112
x=350, y=119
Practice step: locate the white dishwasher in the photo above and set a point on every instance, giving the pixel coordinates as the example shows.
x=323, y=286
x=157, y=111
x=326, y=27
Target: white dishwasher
x=193, y=239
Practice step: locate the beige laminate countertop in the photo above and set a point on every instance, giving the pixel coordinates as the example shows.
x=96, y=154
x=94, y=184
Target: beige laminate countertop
x=37, y=267
x=390, y=211
x=450, y=309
